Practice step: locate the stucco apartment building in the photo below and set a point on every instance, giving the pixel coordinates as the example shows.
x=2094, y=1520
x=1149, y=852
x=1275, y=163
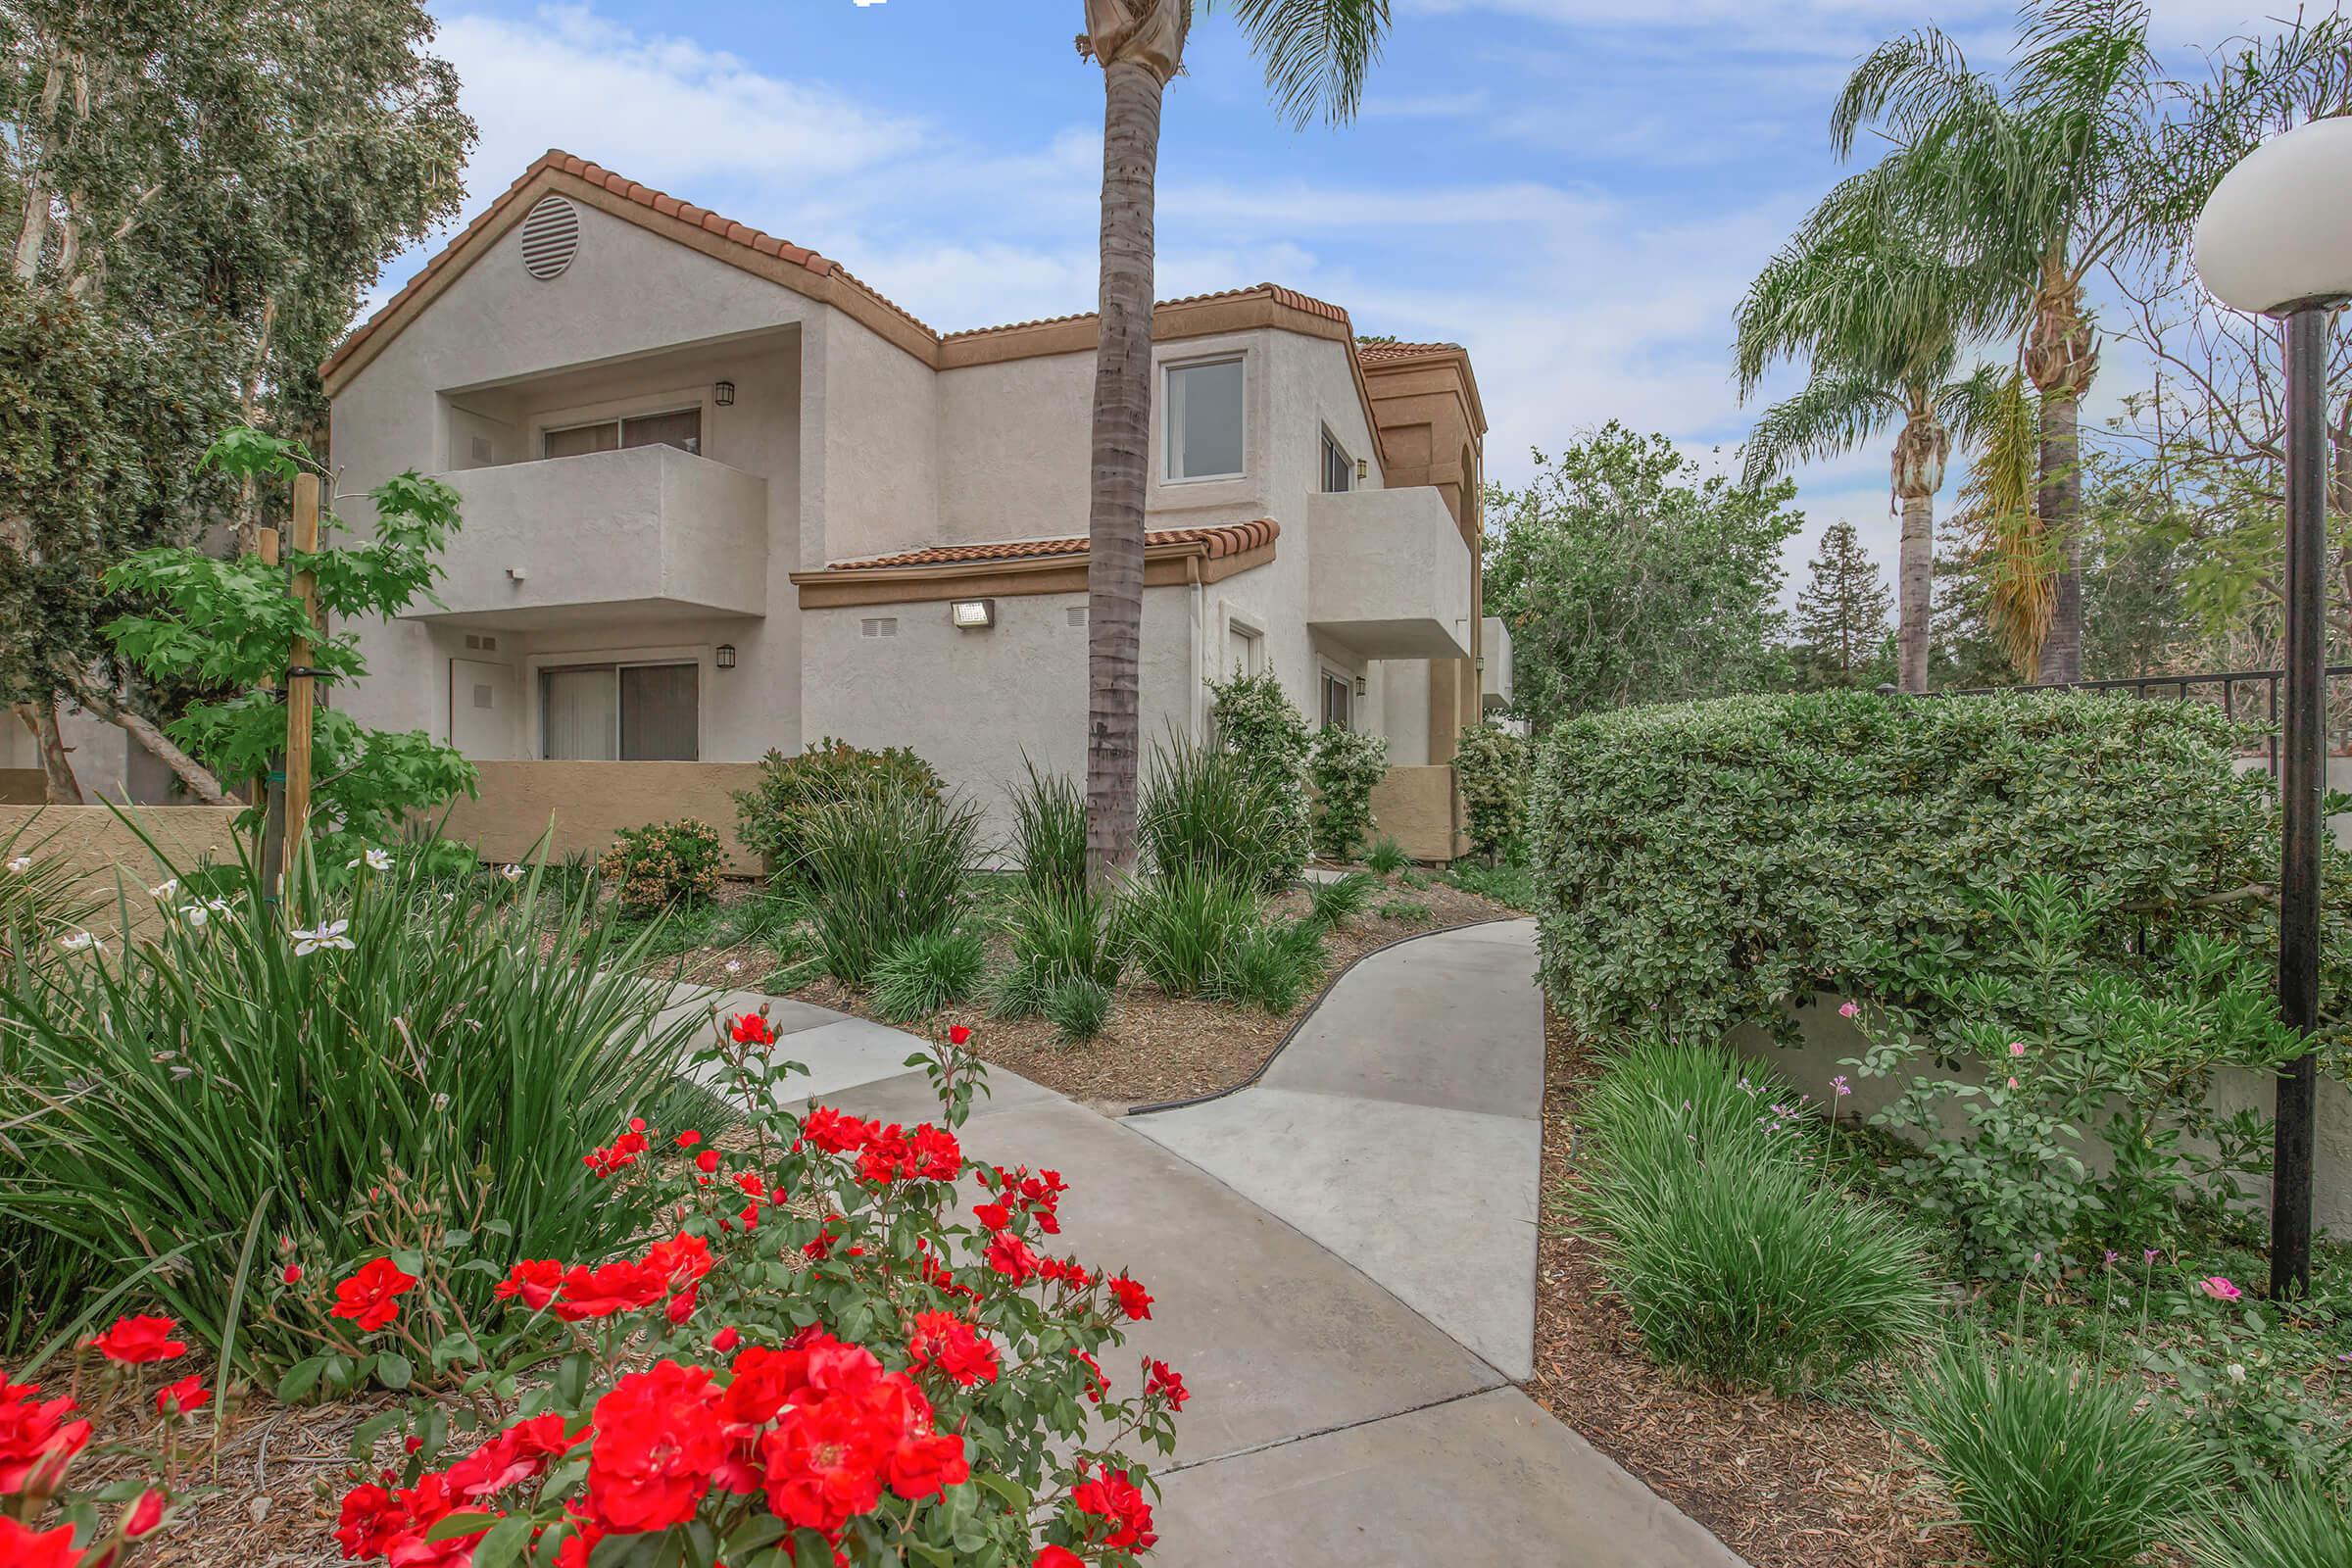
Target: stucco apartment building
x=720, y=496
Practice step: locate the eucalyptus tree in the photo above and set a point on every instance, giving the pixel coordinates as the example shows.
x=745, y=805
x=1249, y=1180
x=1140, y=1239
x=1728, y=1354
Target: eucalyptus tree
x=1880, y=324
x=1316, y=55
x=193, y=195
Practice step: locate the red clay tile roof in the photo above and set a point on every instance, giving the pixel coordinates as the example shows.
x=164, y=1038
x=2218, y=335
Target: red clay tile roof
x=1226, y=539
x=744, y=234
x=1372, y=351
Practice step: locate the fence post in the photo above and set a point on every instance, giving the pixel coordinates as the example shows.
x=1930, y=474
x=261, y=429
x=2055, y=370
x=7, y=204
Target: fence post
x=299, y=680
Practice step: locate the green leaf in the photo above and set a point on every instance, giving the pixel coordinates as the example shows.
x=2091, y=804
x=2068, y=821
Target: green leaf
x=504, y=1543
x=393, y=1371
x=300, y=1380
x=758, y=1531
x=451, y=1526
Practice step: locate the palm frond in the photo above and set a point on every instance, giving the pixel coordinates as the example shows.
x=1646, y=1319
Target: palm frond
x=1835, y=411
x=1998, y=511
x=1317, y=52
x=1904, y=84
x=1970, y=406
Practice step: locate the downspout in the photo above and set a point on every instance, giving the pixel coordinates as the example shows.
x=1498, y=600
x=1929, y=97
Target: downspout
x=1200, y=716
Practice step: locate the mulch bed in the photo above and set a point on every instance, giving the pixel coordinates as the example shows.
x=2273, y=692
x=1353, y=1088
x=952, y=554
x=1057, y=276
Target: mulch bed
x=1783, y=1482
x=1160, y=1048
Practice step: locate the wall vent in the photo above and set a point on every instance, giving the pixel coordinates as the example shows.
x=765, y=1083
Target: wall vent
x=471, y=641
x=489, y=645
x=878, y=627
x=551, y=237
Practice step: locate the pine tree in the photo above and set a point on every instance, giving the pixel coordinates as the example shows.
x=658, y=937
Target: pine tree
x=1842, y=614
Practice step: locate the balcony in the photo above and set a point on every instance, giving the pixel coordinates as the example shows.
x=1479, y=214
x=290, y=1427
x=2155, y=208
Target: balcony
x=1389, y=575
x=648, y=533
x=1495, y=664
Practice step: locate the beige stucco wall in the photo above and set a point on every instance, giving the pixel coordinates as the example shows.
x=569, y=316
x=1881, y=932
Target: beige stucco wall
x=577, y=807
x=106, y=848
x=1414, y=805
x=1827, y=1040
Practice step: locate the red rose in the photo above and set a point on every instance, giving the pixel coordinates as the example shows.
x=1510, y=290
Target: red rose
x=946, y=1343
x=835, y=1133
x=1166, y=1381
x=291, y=1274
x=921, y=1466
x=750, y=1029
x=1134, y=1300
x=1117, y=1502
x=145, y=1514
x=688, y=1139
x=136, y=1341
x=996, y=1216
x=22, y=1546
x=1010, y=1256
x=959, y=1035
x=1056, y=1557
x=36, y=1437
x=178, y=1399
x=657, y=1444
x=1097, y=1384
x=519, y=1453
x=370, y=1298
x=371, y=1521
x=624, y=1285
x=725, y=1340
x=707, y=1161
x=535, y=1280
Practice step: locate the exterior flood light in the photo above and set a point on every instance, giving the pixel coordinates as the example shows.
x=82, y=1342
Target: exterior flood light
x=2275, y=238
x=723, y=394
x=723, y=656
x=973, y=615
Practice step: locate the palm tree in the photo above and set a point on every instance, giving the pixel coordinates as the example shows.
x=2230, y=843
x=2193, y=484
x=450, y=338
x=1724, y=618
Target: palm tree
x=1316, y=55
x=2031, y=183
x=1881, y=324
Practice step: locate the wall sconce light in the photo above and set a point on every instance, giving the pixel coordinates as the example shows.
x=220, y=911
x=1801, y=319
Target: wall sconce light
x=1362, y=686
x=723, y=394
x=1363, y=467
x=972, y=614
x=725, y=655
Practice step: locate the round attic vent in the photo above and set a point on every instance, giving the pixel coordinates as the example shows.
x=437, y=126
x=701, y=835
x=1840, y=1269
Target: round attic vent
x=550, y=236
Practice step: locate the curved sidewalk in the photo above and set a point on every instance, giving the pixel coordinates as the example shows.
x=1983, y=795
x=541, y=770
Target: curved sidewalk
x=1342, y=1264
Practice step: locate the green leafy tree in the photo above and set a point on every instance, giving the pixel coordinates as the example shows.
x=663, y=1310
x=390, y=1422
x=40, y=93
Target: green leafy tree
x=1625, y=575
x=1841, y=610
x=1316, y=55
x=232, y=625
x=194, y=195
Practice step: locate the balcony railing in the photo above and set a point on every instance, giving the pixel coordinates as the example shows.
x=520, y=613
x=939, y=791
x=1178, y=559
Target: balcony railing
x=1389, y=573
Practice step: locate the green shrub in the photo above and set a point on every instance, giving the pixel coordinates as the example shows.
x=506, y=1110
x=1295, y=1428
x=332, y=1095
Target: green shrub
x=2048, y=1464
x=1507, y=882
x=1077, y=1007
x=1331, y=903
x=1210, y=812
x=884, y=866
x=1347, y=767
x=1269, y=964
x=1735, y=1258
x=1403, y=909
x=1256, y=722
x=663, y=865
x=1491, y=767
x=925, y=973
x=2271, y=1527
x=166, y=1098
x=1713, y=862
x=1057, y=935
x=1387, y=857
x=1176, y=929
x=1048, y=830
x=775, y=814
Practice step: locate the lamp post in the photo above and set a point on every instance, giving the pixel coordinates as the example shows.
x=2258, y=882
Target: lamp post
x=2275, y=238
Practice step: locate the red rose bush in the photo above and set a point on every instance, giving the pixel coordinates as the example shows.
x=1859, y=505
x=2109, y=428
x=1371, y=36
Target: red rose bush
x=817, y=1357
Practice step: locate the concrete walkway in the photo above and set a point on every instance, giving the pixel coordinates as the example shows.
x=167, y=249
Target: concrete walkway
x=1342, y=1261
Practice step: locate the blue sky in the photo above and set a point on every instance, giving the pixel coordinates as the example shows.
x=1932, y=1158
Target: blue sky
x=1578, y=190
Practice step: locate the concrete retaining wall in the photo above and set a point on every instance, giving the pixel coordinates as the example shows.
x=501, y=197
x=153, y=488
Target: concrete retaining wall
x=1414, y=805
x=580, y=805
x=109, y=854
x=1828, y=1040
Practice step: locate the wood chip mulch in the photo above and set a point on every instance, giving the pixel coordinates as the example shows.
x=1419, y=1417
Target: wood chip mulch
x=1783, y=1482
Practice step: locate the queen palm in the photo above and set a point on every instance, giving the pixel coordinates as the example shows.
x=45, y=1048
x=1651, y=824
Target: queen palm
x=2028, y=183
x=1316, y=54
x=1881, y=325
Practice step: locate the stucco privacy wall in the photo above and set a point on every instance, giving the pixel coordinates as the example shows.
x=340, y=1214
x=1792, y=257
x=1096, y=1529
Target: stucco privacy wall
x=1827, y=1040
x=1414, y=805
x=577, y=807
x=105, y=849
x=494, y=325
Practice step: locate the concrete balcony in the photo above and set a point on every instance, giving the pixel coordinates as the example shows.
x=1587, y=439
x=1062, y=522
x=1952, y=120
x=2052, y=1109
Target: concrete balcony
x=649, y=533
x=1494, y=659
x=1389, y=575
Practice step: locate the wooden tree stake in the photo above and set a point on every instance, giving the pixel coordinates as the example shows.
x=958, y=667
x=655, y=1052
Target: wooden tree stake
x=298, y=686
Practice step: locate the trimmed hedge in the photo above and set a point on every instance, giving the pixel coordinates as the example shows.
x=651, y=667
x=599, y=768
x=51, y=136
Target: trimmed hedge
x=1710, y=864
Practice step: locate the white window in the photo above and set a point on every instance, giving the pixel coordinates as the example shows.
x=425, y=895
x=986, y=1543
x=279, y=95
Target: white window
x=1245, y=650
x=1339, y=692
x=624, y=713
x=679, y=428
x=1205, y=419
x=1338, y=468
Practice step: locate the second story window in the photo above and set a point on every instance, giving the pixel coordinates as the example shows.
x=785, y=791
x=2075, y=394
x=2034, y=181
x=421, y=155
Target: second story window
x=681, y=428
x=1205, y=419
x=1337, y=698
x=1338, y=468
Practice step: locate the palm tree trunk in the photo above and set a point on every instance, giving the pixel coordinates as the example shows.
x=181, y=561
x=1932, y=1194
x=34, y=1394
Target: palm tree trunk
x=1122, y=422
x=2060, y=502
x=60, y=787
x=1915, y=577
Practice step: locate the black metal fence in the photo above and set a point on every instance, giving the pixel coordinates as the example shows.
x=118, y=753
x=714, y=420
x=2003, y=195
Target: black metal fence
x=2248, y=693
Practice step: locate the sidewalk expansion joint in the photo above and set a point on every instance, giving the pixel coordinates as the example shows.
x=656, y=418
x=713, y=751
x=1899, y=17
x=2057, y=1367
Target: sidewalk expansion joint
x=1344, y=1426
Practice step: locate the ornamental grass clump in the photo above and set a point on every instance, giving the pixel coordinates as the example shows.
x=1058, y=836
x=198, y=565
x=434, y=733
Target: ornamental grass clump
x=1178, y=929
x=884, y=866
x=1058, y=936
x=1736, y=1258
x=2271, y=1526
x=1048, y=831
x=2051, y=1465
x=1269, y=964
x=247, y=1090
x=925, y=973
x=1330, y=903
x=775, y=815
x=1210, y=812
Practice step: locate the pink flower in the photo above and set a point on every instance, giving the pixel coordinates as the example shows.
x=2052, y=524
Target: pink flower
x=2016, y=1047
x=1848, y=1011
x=2219, y=1289
x=2013, y=1083
x=1840, y=1084
x=2148, y=1256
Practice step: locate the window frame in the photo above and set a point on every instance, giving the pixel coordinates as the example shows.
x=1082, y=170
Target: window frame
x=1172, y=420
x=1330, y=675
x=539, y=666
x=620, y=423
x=539, y=424
x=1332, y=447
